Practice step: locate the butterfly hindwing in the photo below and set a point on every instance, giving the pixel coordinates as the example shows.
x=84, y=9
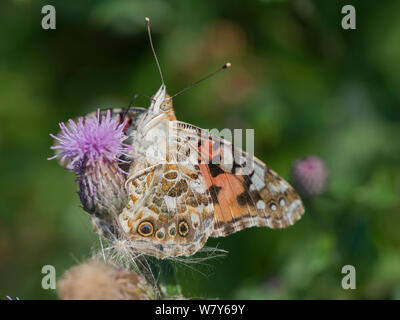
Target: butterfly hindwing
x=170, y=198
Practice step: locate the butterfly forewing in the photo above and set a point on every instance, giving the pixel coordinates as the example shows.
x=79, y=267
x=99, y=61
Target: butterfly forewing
x=244, y=191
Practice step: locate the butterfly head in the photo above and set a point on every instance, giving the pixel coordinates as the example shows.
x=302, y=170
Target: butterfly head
x=158, y=100
x=162, y=104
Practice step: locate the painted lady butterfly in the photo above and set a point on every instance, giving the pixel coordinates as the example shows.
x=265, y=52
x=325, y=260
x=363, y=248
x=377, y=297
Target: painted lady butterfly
x=186, y=185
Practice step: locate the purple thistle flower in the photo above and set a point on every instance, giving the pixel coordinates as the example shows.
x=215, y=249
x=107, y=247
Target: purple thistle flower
x=92, y=147
x=310, y=176
x=89, y=140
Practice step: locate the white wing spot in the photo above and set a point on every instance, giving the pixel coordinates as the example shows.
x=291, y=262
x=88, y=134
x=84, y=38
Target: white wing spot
x=124, y=222
x=258, y=183
x=273, y=188
x=198, y=187
x=170, y=203
x=259, y=171
x=260, y=204
x=280, y=188
x=283, y=186
x=195, y=220
x=294, y=206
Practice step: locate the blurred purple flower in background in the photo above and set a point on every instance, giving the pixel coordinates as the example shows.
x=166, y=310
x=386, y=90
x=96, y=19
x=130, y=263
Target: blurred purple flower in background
x=309, y=176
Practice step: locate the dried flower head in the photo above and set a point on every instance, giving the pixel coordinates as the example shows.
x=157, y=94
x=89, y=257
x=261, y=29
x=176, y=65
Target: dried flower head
x=95, y=280
x=310, y=176
x=89, y=140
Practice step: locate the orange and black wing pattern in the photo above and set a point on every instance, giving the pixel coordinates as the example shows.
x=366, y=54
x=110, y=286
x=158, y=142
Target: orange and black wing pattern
x=244, y=191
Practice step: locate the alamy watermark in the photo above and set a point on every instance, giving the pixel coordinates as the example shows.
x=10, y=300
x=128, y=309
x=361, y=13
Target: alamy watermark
x=349, y=280
x=49, y=280
x=349, y=20
x=200, y=146
x=49, y=19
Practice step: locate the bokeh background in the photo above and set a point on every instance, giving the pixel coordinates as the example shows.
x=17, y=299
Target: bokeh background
x=302, y=82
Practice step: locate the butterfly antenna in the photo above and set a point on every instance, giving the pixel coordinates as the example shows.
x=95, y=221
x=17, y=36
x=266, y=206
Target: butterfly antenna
x=133, y=100
x=152, y=48
x=225, y=66
x=130, y=104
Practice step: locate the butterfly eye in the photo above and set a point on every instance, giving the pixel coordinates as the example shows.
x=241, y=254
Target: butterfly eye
x=145, y=229
x=166, y=105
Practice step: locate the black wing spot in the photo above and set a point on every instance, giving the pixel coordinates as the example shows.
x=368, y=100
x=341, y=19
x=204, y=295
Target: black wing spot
x=214, y=190
x=237, y=167
x=244, y=198
x=247, y=196
x=215, y=170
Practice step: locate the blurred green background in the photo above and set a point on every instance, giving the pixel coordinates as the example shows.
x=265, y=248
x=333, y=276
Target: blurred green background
x=302, y=82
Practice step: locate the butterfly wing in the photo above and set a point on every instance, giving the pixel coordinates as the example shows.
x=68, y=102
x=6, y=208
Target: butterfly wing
x=170, y=211
x=176, y=204
x=244, y=191
x=131, y=116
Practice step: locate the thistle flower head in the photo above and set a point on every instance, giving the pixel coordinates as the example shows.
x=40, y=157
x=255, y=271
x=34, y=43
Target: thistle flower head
x=89, y=140
x=96, y=280
x=93, y=148
x=310, y=176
